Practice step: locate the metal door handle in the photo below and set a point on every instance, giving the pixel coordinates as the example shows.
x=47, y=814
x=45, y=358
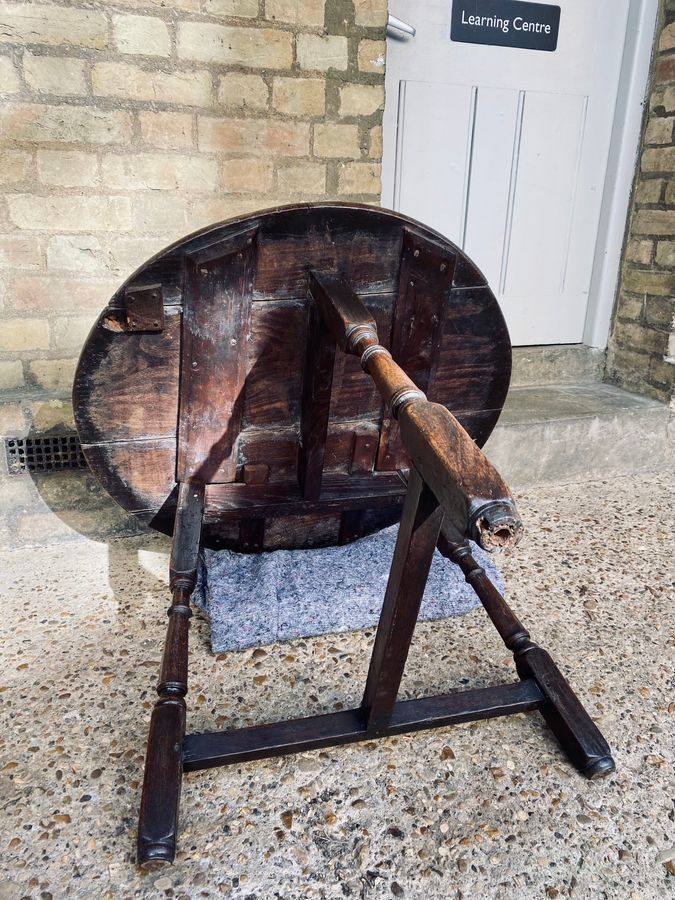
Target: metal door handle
x=396, y=27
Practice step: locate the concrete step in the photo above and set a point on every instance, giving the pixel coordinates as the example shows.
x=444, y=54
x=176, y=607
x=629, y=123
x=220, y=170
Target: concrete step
x=574, y=432
x=557, y=364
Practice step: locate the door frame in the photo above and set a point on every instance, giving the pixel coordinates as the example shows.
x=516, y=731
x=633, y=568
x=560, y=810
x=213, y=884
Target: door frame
x=624, y=156
x=632, y=96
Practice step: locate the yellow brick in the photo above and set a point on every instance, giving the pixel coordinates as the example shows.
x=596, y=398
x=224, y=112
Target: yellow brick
x=12, y=424
x=18, y=335
x=299, y=96
x=322, y=53
x=297, y=12
x=254, y=136
x=375, y=142
x=55, y=75
x=161, y=212
x=372, y=56
x=302, y=178
x=81, y=253
x=258, y=48
x=207, y=212
x=336, y=141
x=246, y=175
x=70, y=213
x=244, y=9
x=371, y=13
x=34, y=122
x=67, y=168
x=239, y=91
x=50, y=414
x=11, y=374
x=14, y=166
x=70, y=332
x=126, y=254
x=187, y=88
x=166, y=129
x=9, y=80
x=33, y=23
x=50, y=294
x=160, y=5
x=359, y=178
x=141, y=35
x=361, y=99
x=21, y=251
x=659, y=131
x=159, y=171
x=53, y=374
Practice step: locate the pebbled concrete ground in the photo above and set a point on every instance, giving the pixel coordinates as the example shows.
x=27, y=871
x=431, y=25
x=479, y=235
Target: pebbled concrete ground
x=486, y=810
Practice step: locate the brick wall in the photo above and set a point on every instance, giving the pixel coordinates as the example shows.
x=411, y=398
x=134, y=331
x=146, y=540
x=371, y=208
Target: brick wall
x=126, y=125
x=641, y=353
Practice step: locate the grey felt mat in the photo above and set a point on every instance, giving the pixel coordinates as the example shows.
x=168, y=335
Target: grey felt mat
x=254, y=599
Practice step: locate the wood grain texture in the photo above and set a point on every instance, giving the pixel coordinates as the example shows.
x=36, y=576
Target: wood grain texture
x=241, y=417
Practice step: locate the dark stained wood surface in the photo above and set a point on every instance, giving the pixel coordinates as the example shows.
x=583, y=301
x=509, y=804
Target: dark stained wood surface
x=147, y=417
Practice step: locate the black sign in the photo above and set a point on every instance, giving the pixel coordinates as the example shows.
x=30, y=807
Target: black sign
x=506, y=23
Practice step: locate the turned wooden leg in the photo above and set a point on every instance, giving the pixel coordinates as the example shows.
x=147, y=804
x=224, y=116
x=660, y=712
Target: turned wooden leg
x=578, y=735
x=158, y=819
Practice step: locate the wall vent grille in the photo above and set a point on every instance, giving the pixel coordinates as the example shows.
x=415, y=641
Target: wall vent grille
x=48, y=453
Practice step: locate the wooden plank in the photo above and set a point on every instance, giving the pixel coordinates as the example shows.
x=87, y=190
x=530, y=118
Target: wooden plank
x=415, y=545
x=216, y=324
x=204, y=751
x=316, y=392
x=425, y=279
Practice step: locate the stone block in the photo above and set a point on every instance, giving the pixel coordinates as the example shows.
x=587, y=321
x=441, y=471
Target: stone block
x=243, y=9
x=160, y=212
x=336, y=141
x=361, y=99
x=641, y=281
x=125, y=254
x=667, y=39
x=168, y=130
x=359, y=178
x=53, y=295
x=81, y=253
x=670, y=192
x=141, y=35
x=638, y=337
x=159, y=171
x=630, y=307
x=302, y=178
x=131, y=82
x=253, y=136
x=70, y=332
x=257, y=48
x=660, y=313
x=70, y=213
x=11, y=374
x=12, y=421
x=375, y=142
x=237, y=90
x=21, y=251
x=21, y=335
x=639, y=251
x=53, y=375
x=15, y=166
x=37, y=23
x=67, y=168
x=320, y=53
x=372, y=56
x=654, y=221
x=665, y=253
x=9, y=78
x=371, y=13
x=306, y=13
x=662, y=100
x=52, y=415
x=34, y=122
x=665, y=69
x=659, y=160
x=659, y=130
x=55, y=75
x=246, y=175
x=299, y=96
x=649, y=190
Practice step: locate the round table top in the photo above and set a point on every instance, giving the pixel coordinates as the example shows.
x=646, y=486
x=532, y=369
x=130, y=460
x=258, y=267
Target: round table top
x=203, y=367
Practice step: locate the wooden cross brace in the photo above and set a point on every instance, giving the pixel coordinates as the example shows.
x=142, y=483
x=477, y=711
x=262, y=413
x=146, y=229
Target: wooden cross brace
x=453, y=494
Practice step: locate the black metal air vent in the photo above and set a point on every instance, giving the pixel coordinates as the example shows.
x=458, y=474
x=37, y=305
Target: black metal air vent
x=48, y=453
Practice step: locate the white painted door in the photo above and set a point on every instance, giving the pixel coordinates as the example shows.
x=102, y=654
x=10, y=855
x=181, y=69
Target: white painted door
x=505, y=151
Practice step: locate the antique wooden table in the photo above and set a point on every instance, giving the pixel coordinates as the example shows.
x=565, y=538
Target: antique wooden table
x=297, y=378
